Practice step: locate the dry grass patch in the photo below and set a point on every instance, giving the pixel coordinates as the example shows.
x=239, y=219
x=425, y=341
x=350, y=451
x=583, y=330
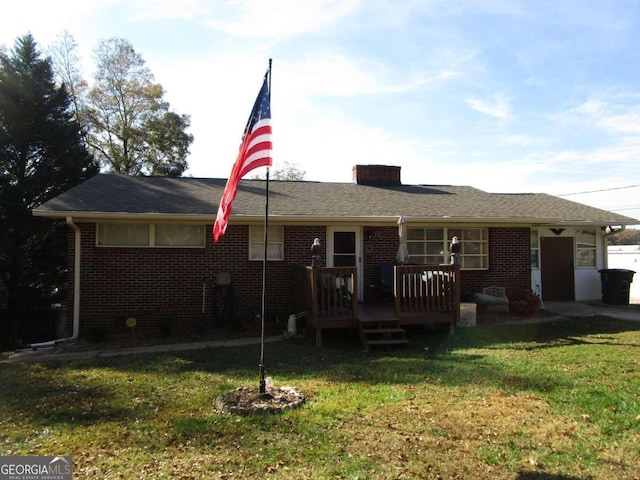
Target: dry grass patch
x=554, y=401
x=437, y=433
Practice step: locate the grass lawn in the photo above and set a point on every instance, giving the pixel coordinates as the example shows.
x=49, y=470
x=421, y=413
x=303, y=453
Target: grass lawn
x=546, y=401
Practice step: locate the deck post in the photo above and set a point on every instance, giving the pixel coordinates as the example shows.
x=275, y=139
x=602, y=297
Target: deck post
x=396, y=291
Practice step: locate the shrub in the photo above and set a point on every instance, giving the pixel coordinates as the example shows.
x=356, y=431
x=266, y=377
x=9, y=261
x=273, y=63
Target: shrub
x=166, y=325
x=237, y=324
x=96, y=333
x=524, y=303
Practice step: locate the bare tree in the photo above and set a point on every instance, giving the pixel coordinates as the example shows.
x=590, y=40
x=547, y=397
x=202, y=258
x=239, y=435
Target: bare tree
x=131, y=129
x=288, y=172
x=67, y=69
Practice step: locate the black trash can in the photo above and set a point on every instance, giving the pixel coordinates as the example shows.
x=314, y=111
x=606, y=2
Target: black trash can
x=616, y=284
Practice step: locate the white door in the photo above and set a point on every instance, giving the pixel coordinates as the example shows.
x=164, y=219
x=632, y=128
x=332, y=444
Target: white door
x=344, y=250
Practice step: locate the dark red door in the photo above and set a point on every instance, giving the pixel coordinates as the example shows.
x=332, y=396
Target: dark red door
x=556, y=269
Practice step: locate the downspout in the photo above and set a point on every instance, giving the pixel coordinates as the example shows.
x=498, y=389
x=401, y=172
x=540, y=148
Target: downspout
x=76, y=291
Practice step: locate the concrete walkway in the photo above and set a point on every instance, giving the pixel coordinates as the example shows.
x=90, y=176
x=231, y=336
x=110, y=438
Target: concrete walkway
x=594, y=309
x=557, y=310
x=45, y=354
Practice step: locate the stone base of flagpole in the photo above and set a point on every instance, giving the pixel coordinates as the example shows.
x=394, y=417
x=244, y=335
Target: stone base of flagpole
x=249, y=401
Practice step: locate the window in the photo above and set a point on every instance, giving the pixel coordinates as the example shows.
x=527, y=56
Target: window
x=535, y=249
x=586, y=249
x=344, y=249
x=474, y=247
x=179, y=235
x=430, y=246
x=123, y=235
x=275, y=243
x=150, y=235
x=426, y=245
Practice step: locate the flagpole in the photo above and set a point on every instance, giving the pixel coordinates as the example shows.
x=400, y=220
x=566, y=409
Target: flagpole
x=262, y=387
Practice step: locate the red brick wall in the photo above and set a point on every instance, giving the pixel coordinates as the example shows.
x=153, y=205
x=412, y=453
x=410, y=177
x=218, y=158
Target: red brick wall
x=509, y=263
x=149, y=283
x=381, y=247
x=376, y=175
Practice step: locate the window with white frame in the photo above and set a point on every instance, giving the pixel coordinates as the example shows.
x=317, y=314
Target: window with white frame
x=176, y=235
x=535, y=249
x=150, y=235
x=430, y=246
x=124, y=235
x=586, y=248
x=426, y=245
x=275, y=242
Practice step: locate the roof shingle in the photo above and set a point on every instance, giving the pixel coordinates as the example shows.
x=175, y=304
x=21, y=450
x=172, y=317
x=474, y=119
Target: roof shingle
x=127, y=196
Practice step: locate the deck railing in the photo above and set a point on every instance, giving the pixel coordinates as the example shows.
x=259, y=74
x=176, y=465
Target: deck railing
x=426, y=293
x=422, y=294
x=328, y=294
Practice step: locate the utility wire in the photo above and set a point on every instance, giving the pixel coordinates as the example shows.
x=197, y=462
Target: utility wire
x=597, y=191
x=627, y=208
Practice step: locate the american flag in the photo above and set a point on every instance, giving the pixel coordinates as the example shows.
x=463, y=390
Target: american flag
x=255, y=151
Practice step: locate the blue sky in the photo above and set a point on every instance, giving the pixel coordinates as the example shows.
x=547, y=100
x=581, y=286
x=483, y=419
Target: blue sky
x=505, y=96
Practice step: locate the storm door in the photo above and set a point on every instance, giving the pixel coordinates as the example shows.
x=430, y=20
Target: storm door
x=344, y=250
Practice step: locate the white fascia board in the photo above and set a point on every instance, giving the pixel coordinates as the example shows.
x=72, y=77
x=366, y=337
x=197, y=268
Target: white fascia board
x=83, y=216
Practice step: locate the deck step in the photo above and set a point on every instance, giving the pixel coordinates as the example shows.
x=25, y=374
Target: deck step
x=380, y=322
x=383, y=330
x=389, y=341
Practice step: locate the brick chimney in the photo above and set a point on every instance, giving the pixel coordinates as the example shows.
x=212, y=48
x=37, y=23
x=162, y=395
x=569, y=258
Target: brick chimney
x=376, y=175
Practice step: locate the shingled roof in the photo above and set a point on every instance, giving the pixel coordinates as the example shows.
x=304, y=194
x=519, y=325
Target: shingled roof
x=119, y=196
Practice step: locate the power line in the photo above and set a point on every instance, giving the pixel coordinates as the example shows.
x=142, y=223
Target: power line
x=624, y=209
x=597, y=191
x=619, y=206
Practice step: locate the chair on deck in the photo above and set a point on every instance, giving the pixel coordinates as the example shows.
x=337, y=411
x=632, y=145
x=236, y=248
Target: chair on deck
x=385, y=275
x=334, y=291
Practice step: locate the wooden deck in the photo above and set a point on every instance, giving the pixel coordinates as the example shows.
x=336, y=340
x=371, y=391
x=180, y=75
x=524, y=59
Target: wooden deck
x=423, y=294
x=371, y=312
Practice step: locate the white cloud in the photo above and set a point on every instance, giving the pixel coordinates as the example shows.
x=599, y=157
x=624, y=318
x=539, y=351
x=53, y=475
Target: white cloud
x=335, y=143
x=615, y=115
x=44, y=19
x=387, y=82
x=334, y=74
x=628, y=122
x=276, y=19
x=497, y=107
x=145, y=10
x=591, y=107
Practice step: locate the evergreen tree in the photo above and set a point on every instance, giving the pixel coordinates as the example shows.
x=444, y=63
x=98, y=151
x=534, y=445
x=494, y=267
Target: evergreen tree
x=41, y=155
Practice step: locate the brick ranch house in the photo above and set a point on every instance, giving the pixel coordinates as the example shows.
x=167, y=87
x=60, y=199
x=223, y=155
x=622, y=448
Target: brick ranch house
x=141, y=247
